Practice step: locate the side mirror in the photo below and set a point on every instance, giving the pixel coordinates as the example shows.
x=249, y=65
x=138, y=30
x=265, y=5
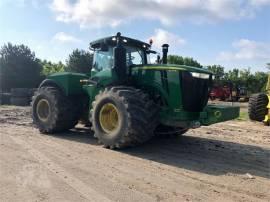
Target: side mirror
x=165, y=53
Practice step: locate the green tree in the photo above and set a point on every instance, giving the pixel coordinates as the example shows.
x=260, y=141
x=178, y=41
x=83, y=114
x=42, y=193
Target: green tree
x=79, y=61
x=257, y=82
x=19, y=67
x=179, y=60
x=50, y=68
x=254, y=82
x=232, y=75
x=218, y=71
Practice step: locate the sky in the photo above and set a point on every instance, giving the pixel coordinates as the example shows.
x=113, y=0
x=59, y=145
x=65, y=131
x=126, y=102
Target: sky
x=231, y=33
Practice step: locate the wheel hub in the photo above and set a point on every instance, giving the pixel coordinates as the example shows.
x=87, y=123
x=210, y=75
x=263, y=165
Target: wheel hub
x=43, y=110
x=109, y=118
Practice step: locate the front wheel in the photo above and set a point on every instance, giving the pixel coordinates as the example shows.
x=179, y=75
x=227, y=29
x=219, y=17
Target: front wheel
x=123, y=116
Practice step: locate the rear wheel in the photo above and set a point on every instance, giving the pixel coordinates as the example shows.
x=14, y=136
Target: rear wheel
x=257, y=106
x=52, y=111
x=123, y=116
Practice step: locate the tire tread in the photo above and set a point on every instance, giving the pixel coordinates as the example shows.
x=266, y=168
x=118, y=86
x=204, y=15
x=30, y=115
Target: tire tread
x=142, y=115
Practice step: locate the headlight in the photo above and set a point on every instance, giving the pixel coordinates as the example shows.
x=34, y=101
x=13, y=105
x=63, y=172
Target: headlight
x=200, y=75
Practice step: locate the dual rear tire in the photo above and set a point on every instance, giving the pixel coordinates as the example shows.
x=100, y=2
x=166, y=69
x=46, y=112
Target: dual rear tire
x=121, y=116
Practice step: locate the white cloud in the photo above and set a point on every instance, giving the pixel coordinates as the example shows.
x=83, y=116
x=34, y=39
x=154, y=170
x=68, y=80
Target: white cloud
x=245, y=49
x=161, y=37
x=22, y=3
x=92, y=13
x=260, y=2
x=65, y=38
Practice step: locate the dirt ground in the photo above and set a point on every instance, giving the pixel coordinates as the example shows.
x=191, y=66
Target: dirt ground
x=225, y=162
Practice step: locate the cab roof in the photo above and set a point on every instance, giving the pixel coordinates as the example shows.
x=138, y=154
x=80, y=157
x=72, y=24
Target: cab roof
x=111, y=41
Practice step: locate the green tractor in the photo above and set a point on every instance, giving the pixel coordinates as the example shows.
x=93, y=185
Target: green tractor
x=126, y=98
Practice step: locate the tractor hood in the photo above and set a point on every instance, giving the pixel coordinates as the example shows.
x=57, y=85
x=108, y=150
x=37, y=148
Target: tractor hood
x=173, y=67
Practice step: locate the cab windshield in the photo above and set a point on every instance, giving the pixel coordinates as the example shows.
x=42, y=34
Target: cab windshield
x=104, y=59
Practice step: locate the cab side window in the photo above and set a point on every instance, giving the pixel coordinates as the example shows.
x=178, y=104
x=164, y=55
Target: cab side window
x=134, y=56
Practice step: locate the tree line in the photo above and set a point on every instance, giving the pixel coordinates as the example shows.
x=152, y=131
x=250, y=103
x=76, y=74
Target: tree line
x=253, y=82
x=20, y=68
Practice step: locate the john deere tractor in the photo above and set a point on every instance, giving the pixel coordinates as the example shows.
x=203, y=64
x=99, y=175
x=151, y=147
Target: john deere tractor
x=126, y=98
x=259, y=105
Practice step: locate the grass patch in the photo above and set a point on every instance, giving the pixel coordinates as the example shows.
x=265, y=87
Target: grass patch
x=243, y=116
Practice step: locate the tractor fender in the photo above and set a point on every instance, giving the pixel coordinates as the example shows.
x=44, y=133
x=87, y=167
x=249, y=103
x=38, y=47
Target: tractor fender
x=52, y=83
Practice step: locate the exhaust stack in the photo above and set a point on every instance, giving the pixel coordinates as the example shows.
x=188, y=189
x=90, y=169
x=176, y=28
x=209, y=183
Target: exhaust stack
x=165, y=48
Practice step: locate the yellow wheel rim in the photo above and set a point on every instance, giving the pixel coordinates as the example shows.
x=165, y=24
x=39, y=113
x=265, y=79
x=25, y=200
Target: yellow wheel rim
x=109, y=118
x=43, y=110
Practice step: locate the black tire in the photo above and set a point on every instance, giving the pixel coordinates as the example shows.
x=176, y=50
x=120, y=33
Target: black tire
x=61, y=113
x=19, y=92
x=257, y=107
x=20, y=101
x=137, y=115
x=169, y=131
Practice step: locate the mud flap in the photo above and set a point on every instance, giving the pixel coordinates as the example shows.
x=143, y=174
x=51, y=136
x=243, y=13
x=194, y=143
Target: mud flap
x=218, y=113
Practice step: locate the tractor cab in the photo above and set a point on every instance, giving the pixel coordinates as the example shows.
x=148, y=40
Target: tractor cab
x=136, y=52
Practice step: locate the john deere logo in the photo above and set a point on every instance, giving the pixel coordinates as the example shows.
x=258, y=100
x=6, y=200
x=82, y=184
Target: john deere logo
x=218, y=114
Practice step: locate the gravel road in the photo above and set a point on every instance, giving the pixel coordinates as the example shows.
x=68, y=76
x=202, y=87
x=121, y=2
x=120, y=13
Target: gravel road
x=225, y=162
